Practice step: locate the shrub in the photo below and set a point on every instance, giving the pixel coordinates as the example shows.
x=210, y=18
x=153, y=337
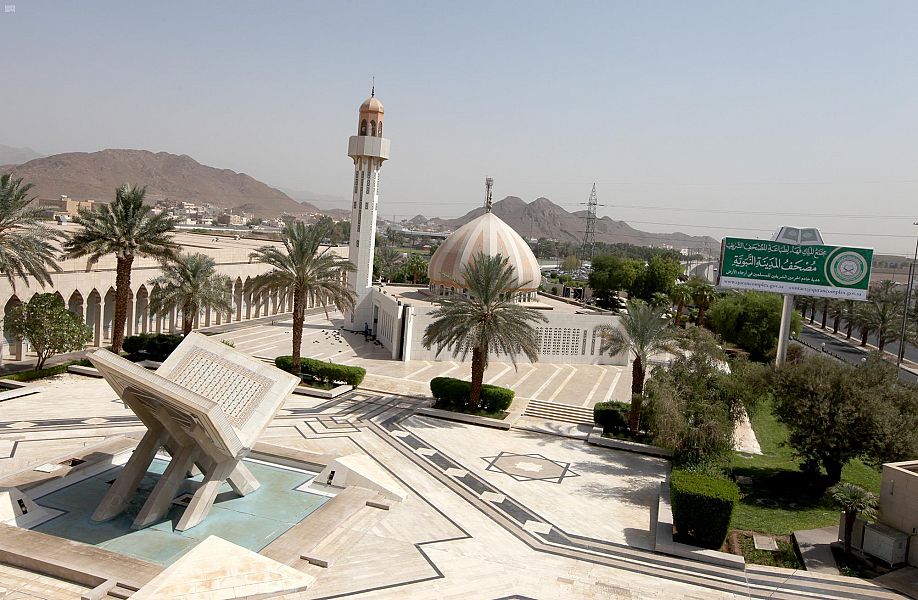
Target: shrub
x=151, y=346
x=611, y=416
x=324, y=372
x=38, y=373
x=702, y=507
x=454, y=393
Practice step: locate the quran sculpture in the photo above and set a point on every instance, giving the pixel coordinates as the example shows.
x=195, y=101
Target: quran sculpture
x=206, y=405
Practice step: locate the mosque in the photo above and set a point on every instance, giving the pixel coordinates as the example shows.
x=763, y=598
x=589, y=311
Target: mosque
x=398, y=315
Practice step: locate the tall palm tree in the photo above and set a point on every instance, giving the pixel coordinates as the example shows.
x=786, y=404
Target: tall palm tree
x=826, y=305
x=853, y=499
x=25, y=242
x=190, y=283
x=644, y=332
x=882, y=312
x=126, y=228
x=703, y=295
x=804, y=303
x=680, y=296
x=843, y=311
x=485, y=319
x=307, y=271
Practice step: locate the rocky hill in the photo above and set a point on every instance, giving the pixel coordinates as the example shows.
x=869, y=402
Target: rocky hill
x=546, y=219
x=96, y=176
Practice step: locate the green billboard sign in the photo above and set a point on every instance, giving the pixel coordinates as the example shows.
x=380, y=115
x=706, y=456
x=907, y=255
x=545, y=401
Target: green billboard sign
x=812, y=270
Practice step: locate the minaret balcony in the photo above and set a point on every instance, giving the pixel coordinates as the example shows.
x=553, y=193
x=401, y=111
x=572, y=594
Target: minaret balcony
x=368, y=146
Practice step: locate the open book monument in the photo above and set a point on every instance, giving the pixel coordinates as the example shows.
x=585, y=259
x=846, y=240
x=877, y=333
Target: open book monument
x=206, y=405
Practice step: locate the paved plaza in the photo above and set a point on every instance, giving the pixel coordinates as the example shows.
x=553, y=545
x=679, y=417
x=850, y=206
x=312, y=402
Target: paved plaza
x=489, y=514
x=579, y=385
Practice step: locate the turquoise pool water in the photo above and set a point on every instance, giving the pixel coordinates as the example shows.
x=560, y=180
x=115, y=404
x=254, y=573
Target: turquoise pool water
x=252, y=522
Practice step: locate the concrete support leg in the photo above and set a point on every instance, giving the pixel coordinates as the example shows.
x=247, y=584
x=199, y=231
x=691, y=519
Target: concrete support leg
x=121, y=492
x=242, y=481
x=204, y=498
x=157, y=505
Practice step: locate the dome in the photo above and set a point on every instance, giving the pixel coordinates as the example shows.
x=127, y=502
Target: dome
x=492, y=236
x=372, y=104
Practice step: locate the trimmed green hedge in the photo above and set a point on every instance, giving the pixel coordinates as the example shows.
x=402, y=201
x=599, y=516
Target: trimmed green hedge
x=454, y=393
x=324, y=372
x=702, y=507
x=39, y=373
x=151, y=346
x=611, y=416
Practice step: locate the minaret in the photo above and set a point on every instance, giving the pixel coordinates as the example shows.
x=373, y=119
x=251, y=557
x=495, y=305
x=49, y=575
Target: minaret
x=368, y=149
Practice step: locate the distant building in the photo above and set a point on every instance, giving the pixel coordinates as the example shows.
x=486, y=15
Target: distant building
x=64, y=206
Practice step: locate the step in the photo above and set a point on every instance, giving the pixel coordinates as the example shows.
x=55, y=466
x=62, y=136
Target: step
x=121, y=591
x=559, y=412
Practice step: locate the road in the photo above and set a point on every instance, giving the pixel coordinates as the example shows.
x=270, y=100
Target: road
x=850, y=353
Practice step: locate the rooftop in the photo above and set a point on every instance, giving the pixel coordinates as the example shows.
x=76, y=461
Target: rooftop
x=420, y=296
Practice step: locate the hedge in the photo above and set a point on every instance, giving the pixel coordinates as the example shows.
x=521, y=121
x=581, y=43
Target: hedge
x=324, y=372
x=33, y=374
x=702, y=507
x=611, y=416
x=454, y=394
x=151, y=346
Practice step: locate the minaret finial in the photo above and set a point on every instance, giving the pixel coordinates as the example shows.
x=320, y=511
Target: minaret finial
x=489, y=183
x=373, y=88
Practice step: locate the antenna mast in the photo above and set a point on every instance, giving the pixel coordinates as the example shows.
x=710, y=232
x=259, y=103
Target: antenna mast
x=489, y=183
x=589, y=233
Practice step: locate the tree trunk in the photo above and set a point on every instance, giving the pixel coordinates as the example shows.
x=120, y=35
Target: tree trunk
x=864, y=333
x=850, y=517
x=477, y=378
x=41, y=361
x=812, y=314
x=187, y=319
x=836, y=324
x=881, y=341
x=637, y=394
x=122, y=297
x=848, y=330
x=825, y=315
x=700, y=320
x=833, y=470
x=678, y=316
x=298, y=302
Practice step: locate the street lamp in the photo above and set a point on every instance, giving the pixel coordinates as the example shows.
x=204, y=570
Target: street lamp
x=908, y=300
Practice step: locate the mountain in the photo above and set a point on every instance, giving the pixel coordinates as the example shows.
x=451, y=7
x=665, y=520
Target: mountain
x=96, y=176
x=543, y=218
x=17, y=156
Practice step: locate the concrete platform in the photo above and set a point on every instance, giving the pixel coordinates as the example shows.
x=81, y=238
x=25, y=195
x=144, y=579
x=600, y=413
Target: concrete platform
x=815, y=548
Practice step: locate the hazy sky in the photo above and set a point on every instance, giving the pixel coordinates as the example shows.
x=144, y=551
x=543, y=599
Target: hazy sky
x=702, y=117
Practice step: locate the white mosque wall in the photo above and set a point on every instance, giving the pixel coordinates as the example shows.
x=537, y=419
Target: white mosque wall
x=566, y=338
x=387, y=317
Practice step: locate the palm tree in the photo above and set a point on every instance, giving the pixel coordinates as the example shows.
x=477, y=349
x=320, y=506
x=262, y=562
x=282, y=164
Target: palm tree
x=826, y=305
x=385, y=261
x=644, y=332
x=190, y=284
x=703, y=295
x=843, y=311
x=25, y=242
x=126, y=228
x=680, y=296
x=853, y=499
x=484, y=319
x=882, y=312
x=303, y=269
x=416, y=267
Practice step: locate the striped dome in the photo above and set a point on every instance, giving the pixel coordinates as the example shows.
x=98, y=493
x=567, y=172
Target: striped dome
x=492, y=236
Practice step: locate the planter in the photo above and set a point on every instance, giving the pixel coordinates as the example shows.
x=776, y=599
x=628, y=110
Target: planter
x=448, y=415
x=306, y=390
x=81, y=370
x=14, y=389
x=596, y=439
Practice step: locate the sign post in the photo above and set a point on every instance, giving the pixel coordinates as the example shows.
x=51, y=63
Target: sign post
x=792, y=269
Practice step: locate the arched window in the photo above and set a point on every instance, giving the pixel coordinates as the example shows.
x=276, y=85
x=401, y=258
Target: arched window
x=363, y=127
x=380, y=129
x=373, y=128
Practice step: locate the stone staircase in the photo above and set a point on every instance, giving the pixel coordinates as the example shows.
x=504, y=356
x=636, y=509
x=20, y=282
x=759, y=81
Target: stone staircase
x=556, y=411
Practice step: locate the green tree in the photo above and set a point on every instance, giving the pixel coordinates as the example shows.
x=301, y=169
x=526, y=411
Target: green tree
x=751, y=320
x=703, y=296
x=882, y=312
x=416, y=268
x=681, y=296
x=659, y=275
x=190, y=283
x=307, y=271
x=386, y=261
x=126, y=228
x=570, y=263
x=644, y=332
x=26, y=248
x=854, y=500
x=48, y=325
x=836, y=412
x=610, y=275
x=484, y=320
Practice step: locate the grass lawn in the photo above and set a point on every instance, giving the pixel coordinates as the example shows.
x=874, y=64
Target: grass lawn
x=782, y=499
